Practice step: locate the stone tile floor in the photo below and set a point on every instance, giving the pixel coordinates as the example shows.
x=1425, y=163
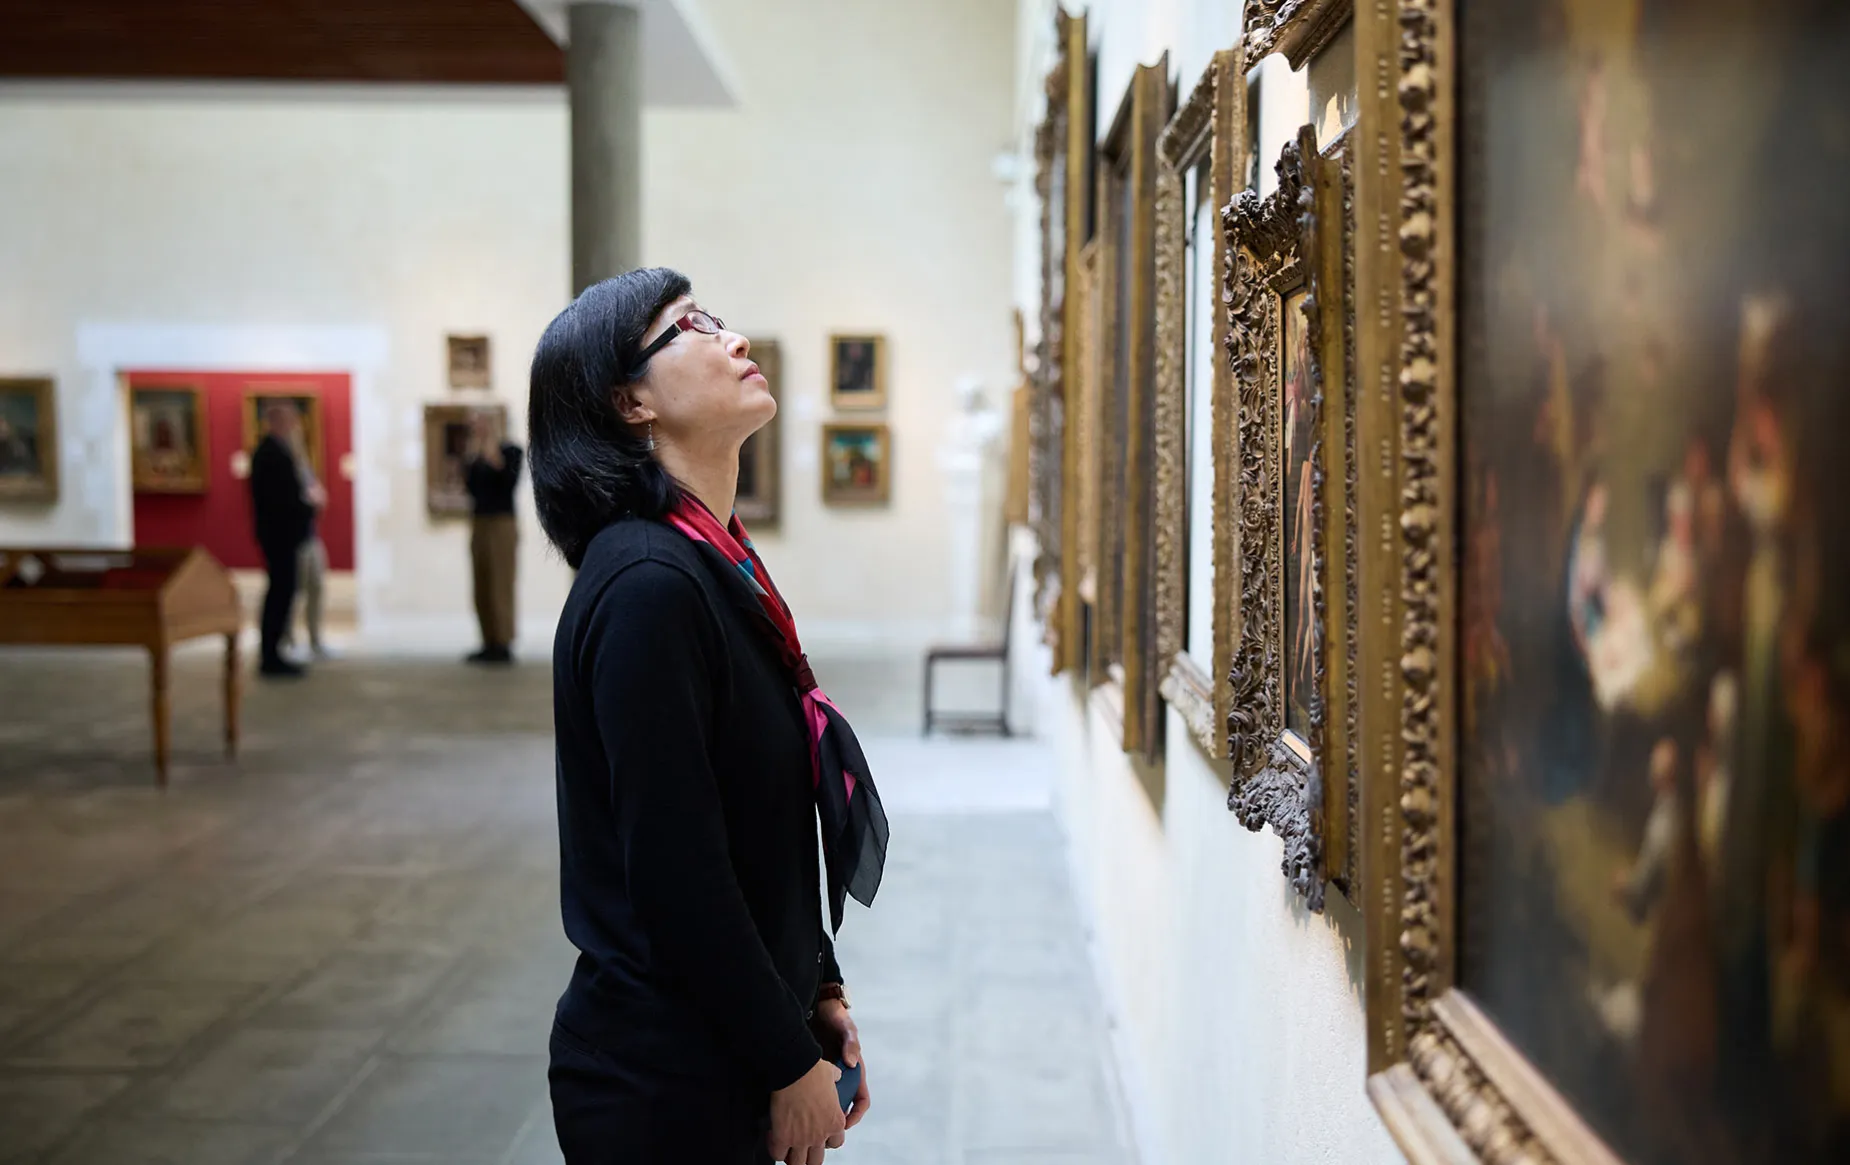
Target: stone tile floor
x=345, y=947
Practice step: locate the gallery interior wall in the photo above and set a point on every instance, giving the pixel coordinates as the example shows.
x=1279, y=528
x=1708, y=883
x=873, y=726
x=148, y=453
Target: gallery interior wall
x=1239, y=1015
x=422, y=211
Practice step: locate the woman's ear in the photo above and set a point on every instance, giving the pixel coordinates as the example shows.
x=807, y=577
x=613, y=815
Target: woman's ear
x=629, y=409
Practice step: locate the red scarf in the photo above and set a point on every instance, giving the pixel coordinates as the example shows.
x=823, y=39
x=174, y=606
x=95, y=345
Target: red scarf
x=854, y=827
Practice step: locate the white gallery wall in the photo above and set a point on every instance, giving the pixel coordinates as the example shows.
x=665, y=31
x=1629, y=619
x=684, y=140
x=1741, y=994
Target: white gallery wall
x=850, y=187
x=1238, y=1014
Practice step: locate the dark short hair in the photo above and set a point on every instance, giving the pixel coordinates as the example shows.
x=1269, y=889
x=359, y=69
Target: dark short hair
x=589, y=467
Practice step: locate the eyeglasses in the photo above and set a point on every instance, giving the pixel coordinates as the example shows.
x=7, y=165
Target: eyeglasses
x=693, y=321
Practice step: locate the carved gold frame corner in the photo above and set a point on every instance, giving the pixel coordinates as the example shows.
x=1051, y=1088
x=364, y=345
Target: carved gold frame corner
x=1276, y=780
x=1297, y=28
x=1449, y=1086
x=1211, y=125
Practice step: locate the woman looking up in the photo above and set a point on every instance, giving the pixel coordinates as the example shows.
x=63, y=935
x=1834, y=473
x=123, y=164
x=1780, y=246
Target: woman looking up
x=694, y=756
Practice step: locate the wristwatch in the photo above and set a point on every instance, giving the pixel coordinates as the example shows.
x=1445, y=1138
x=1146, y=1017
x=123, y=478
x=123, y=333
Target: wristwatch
x=834, y=991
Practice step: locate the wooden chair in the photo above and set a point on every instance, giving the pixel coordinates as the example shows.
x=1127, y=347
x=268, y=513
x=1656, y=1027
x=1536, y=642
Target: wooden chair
x=997, y=653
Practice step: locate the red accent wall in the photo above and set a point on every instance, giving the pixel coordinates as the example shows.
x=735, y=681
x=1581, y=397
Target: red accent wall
x=220, y=518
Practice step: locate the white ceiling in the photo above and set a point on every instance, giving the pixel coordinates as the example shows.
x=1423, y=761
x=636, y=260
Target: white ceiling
x=680, y=65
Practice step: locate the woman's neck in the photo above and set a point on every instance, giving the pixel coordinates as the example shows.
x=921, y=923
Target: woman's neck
x=712, y=477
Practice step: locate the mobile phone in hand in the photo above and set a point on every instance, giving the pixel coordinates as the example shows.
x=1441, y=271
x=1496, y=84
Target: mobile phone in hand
x=848, y=1085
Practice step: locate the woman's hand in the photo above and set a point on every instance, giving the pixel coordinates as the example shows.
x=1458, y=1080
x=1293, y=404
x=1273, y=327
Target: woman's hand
x=806, y=1118
x=837, y=1023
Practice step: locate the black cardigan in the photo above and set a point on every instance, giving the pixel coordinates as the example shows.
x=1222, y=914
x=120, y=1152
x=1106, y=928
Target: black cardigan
x=687, y=820
x=284, y=518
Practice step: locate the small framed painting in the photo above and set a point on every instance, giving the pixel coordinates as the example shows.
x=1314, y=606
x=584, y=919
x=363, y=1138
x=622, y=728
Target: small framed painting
x=306, y=401
x=28, y=440
x=857, y=465
x=760, y=461
x=449, y=444
x=167, y=439
x=857, y=372
x=468, y=361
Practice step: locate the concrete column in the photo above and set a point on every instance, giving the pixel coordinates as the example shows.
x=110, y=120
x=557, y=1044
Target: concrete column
x=603, y=72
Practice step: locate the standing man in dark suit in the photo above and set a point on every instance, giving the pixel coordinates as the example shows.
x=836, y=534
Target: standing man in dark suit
x=493, y=470
x=285, y=517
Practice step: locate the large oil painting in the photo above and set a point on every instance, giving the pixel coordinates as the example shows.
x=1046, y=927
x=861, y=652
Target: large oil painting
x=1654, y=862
x=1299, y=435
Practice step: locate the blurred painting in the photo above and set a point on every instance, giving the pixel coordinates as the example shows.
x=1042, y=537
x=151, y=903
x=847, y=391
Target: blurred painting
x=167, y=439
x=857, y=371
x=1655, y=649
x=856, y=464
x=305, y=399
x=28, y=441
x=1298, y=425
x=449, y=446
x=469, y=366
x=760, y=468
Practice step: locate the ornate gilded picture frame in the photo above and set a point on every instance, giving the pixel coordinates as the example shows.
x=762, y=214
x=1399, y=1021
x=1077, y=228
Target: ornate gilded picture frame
x=1298, y=29
x=857, y=464
x=306, y=398
x=1125, y=655
x=468, y=358
x=449, y=445
x=28, y=440
x=761, y=471
x=1060, y=183
x=1275, y=724
x=169, y=446
x=1208, y=135
x=857, y=371
x=1606, y=650
x=1327, y=242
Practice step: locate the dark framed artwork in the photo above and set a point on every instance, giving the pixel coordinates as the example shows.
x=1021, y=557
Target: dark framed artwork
x=469, y=365
x=857, y=465
x=1123, y=661
x=857, y=372
x=307, y=403
x=449, y=437
x=168, y=445
x=1060, y=181
x=28, y=440
x=761, y=458
x=1201, y=152
x=1609, y=881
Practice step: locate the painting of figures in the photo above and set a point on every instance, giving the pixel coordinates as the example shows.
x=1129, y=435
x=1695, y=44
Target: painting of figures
x=1654, y=339
x=1299, y=427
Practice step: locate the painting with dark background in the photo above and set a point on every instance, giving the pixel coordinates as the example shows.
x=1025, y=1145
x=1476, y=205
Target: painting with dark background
x=1300, y=563
x=1655, y=396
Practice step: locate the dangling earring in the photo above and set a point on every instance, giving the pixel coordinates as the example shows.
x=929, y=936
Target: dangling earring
x=651, y=436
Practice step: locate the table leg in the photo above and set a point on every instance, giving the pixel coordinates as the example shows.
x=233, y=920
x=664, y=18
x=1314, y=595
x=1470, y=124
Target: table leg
x=158, y=657
x=234, y=689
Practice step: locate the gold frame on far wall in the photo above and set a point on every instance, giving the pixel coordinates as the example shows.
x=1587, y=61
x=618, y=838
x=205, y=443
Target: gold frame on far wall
x=444, y=494
x=468, y=358
x=152, y=478
x=1124, y=664
x=761, y=472
x=306, y=397
x=1210, y=127
x=866, y=393
x=877, y=493
x=1060, y=175
x=41, y=486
